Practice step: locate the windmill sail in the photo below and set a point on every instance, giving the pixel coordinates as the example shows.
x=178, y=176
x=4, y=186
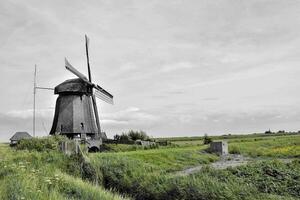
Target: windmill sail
x=87, y=57
x=103, y=96
x=74, y=71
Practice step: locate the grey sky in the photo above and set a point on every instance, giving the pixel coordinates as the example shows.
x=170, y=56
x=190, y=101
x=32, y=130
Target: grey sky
x=176, y=68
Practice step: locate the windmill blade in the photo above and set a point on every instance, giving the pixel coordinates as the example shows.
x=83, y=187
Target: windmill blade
x=103, y=91
x=96, y=114
x=87, y=56
x=104, y=95
x=74, y=71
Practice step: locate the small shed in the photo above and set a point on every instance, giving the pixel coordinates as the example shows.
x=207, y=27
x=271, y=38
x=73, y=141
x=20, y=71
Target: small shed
x=19, y=136
x=219, y=147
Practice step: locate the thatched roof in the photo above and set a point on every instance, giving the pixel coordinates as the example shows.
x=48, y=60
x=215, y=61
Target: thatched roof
x=75, y=85
x=20, y=135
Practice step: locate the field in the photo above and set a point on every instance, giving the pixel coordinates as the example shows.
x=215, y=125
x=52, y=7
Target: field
x=126, y=171
x=256, y=146
x=44, y=175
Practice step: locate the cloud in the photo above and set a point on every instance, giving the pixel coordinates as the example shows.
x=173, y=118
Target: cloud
x=177, y=66
x=129, y=117
x=128, y=67
x=148, y=52
x=28, y=113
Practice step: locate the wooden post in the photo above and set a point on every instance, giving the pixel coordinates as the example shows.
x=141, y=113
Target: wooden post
x=34, y=92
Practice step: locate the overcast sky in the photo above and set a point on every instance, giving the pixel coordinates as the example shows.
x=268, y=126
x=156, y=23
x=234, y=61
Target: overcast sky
x=175, y=68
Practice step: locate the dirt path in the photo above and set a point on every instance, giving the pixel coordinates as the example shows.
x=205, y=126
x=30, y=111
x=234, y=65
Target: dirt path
x=232, y=160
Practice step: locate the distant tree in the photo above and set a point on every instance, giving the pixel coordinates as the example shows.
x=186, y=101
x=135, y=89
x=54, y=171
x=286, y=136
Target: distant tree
x=281, y=131
x=131, y=136
x=207, y=139
x=117, y=137
x=268, y=132
x=124, y=138
x=138, y=135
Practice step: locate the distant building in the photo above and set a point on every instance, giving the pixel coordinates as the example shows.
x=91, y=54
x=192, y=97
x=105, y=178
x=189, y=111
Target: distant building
x=19, y=136
x=219, y=147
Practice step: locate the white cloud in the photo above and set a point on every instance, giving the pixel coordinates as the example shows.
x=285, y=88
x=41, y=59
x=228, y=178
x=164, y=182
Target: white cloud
x=28, y=113
x=131, y=117
x=177, y=66
x=128, y=67
x=142, y=49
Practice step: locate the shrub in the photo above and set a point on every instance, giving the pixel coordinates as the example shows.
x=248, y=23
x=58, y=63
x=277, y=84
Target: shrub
x=138, y=135
x=40, y=144
x=207, y=140
x=131, y=136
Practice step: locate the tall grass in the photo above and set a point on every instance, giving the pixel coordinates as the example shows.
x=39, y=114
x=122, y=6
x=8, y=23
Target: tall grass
x=169, y=159
x=149, y=181
x=150, y=175
x=44, y=175
x=271, y=177
x=140, y=174
x=40, y=144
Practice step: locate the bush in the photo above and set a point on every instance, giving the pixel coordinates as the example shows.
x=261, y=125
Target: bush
x=131, y=136
x=40, y=144
x=207, y=140
x=138, y=135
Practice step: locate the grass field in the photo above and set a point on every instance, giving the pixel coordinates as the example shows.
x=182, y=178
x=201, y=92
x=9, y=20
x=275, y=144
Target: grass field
x=169, y=159
x=131, y=172
x=149, y=174
x=44, y=175
x=281, y=146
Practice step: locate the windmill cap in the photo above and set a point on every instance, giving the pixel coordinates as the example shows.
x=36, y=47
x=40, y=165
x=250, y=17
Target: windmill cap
x=75, y=85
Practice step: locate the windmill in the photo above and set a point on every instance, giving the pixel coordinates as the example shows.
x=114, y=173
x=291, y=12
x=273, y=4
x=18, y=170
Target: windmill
x=76, y=113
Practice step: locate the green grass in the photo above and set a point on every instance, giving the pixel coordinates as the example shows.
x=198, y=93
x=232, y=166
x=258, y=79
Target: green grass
x=277, y=147
x=188, y=142
x=151, y=174
x=272, y=177
x=169, y=159
x=134, y=176
x=44, y=175
x=124, y=147
x=229, y=137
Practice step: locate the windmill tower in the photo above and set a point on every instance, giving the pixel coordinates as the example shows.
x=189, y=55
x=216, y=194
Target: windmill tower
x=76, y=114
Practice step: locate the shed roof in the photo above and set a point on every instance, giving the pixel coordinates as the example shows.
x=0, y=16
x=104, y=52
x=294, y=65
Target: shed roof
x=20, y=135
